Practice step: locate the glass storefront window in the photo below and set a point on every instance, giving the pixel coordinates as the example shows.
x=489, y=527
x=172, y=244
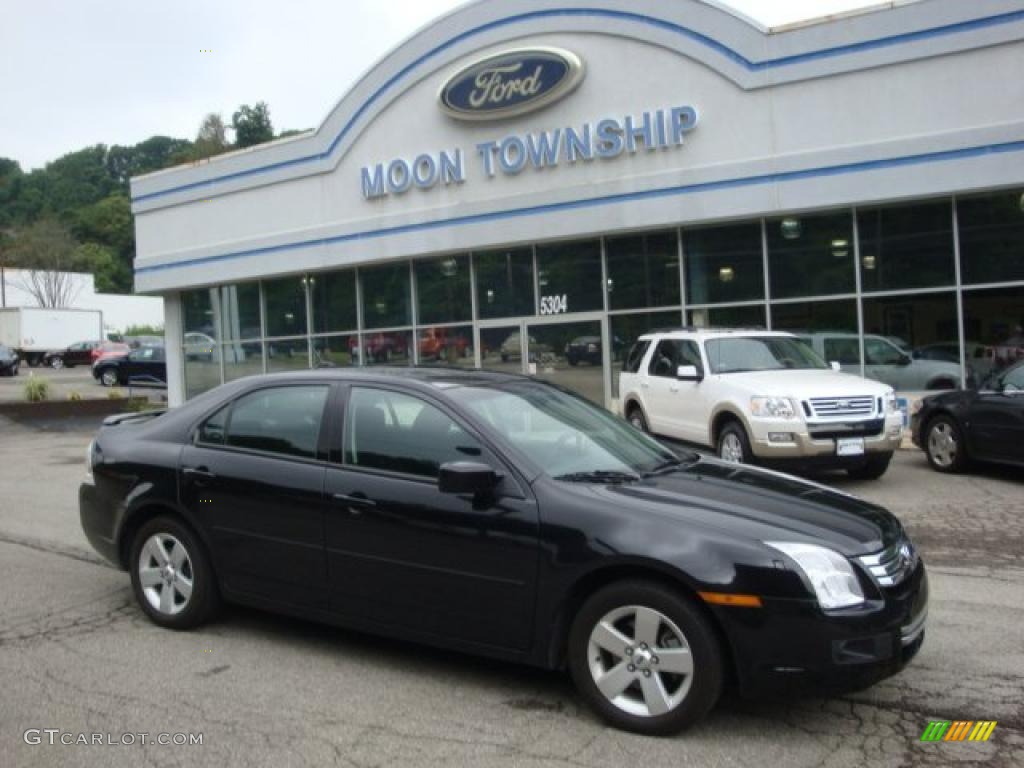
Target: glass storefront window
x=993, y=330
x=501, y=349
x=202, y=370
x=830, y=327
x=905, y=338
x=388, y=348
x=625, y=330
x=386, y=298
x=198, y=310
x=285, y=306
x=240, y=311
x=906, y=246
x=504, y=283
x=724, y=263
x=991, y=236
x=751, y=316
x=643, y=270
x=569, y=277
x=335, y=351
x=446, y=345
x=334, y=301
x=242, y=358
x=287, y=354
x=569, y=354
x=443, y=290
x=811, y=255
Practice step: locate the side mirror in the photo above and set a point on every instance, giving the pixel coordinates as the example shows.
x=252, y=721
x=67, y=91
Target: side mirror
x=466, y=477
x=905, y=359
x=836, y=366
x=688, y=373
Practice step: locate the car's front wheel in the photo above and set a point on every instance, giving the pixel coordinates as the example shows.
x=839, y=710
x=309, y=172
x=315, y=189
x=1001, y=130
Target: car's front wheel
x=109, y=378
x=734, y=445
x=944, y=445
x=56, y=363
x=636, y=418
x=171, y=575
x=645, y=658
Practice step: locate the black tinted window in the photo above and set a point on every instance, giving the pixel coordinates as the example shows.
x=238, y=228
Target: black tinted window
x=672, y=353
x=282, y=420
x=212, y=430
x=400, y=433
x=635, y=357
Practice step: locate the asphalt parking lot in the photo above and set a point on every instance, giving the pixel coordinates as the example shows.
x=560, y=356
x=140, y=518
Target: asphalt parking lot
x=77, y=655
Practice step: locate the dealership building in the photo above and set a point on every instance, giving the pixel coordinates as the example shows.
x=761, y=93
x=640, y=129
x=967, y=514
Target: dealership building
x=529, y=185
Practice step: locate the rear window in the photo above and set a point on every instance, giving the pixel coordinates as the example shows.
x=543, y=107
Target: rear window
x=284, y=420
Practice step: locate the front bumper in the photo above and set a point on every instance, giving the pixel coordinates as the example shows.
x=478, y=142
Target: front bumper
x=818, y=440
x=793, y=646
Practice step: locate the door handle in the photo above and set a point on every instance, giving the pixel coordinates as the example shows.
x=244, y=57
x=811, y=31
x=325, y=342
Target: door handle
x=645, y=385
x=356, y=502
x=673, y=388
x=202, y=475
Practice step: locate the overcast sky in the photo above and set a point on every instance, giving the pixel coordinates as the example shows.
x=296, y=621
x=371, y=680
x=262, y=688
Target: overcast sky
x=80, y=72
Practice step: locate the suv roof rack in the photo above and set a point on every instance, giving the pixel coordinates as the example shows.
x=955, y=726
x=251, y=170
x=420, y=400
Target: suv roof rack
x=711, y=328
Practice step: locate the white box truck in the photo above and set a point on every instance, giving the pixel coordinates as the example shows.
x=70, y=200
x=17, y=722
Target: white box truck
x=33, y=331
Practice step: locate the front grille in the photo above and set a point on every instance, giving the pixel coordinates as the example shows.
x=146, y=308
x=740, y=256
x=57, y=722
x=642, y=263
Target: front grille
x=892, y=565
x=832, y=430
x=843, y=406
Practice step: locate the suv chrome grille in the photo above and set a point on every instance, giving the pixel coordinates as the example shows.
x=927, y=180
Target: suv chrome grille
x=892, y=565
x=843, y=406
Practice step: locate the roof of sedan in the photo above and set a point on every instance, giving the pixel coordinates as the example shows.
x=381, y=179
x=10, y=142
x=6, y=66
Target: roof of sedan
x=434, y=375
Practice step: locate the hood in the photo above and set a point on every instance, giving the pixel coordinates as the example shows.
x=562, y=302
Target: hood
x=755, y=504
x=804, y=384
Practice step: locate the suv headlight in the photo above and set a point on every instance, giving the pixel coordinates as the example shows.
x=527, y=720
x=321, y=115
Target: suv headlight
x=830, y=574
x=773, y=407
x=890, y=402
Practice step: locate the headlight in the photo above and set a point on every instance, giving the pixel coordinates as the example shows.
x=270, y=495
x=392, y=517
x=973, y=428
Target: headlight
x=890, y=402
x=829, y=573
x=773, y=407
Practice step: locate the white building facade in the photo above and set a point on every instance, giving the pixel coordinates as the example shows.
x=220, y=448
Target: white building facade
x=529, y=185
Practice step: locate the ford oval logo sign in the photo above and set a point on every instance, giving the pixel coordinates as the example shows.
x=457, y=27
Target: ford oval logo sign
x=511, y=83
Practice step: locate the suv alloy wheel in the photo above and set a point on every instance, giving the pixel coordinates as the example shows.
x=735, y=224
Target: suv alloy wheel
x=636, y=418
x=734, y=445
x=645, y=658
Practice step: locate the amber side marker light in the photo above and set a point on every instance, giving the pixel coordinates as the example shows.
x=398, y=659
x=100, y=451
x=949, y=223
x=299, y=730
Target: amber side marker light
x=726, y=598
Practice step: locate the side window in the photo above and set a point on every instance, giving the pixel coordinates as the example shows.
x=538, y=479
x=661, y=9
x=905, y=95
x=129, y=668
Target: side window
x=212, y=430
x=635, y=356
x=843, y=351
x=283, y=420
x=663, y=361
x=401, y=433
x=1013, y=381
x=689, y=354
x=879, y=352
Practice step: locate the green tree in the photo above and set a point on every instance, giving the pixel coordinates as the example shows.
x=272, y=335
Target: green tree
x=110, y=273
x=212, y=138
x=10, y=187
x=252, y=125
x=108, y=224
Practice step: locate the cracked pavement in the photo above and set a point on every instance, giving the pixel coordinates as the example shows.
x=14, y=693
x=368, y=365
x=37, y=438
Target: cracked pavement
x=77, y=654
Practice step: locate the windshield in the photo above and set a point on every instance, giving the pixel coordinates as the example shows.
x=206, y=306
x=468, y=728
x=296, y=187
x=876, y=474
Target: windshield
x=760, y=353
x=567, y=436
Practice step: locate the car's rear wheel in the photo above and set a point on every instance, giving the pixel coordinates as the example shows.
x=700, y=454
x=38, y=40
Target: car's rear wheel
x=109, y=378
x=872, y=469
x=734, y=445
x=56, y=363
x=636, y=418
x=645, y=658
x=944, y=445
x=171, y=575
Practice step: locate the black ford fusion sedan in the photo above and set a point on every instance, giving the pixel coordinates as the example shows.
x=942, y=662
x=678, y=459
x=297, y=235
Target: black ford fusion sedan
x=499, y=515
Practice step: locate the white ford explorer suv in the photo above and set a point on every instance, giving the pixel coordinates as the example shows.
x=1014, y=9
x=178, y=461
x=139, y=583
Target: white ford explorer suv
x=759, y=397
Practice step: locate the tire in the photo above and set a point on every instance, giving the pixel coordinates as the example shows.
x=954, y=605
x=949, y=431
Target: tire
x=56, y=363
x=607, y=620
x=635, y=416
x=944, y=445
x=734, y=445
x=33, y=361
x=14, y=370
x=573, y=361
x=504, y=357
x=167, y=541
x=109, y=378
x=872, y=469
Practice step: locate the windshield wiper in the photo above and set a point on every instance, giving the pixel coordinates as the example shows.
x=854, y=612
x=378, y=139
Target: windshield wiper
x=599, y=476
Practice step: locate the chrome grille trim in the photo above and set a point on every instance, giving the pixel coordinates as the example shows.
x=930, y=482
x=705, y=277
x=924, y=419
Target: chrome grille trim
x=843, y=406
x=892, y=565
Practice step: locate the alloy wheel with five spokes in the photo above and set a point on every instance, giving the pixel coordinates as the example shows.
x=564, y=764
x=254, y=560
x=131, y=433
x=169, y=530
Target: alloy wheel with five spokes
x=165, y=573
